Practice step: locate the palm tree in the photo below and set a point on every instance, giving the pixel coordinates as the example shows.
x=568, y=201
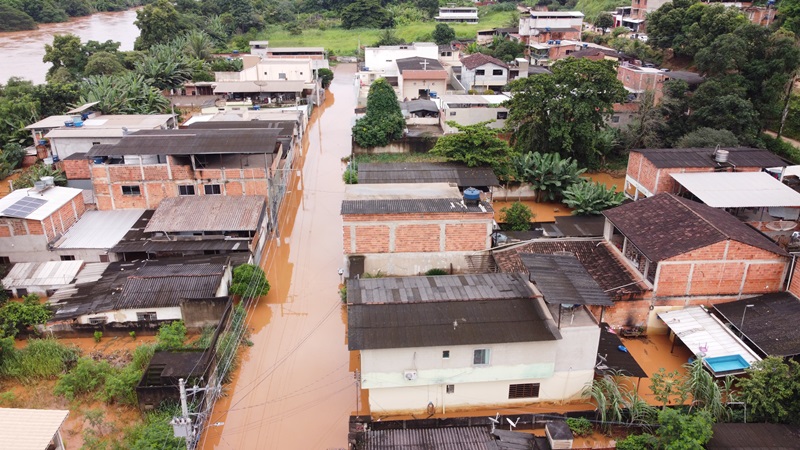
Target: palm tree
x=199, y=45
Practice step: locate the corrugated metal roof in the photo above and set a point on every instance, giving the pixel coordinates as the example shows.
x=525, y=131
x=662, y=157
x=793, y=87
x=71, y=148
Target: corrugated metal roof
x=463, y=176
x=489, y=286
x=704, y=157
x=455, y=438
x=404, y=206
x=29, y=429
x=751, y=436
x=207, y=213
x=100, y=229
x=54, y=198
x=164, y=286
x=738, y=189
x=770, y=322
x=150, y=246
x=271, y=86
x=51, y=273
x=191, y=142
x=562, y=279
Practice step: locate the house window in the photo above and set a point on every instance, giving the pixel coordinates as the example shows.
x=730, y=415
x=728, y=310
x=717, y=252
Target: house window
x=131, y=190
x=97, y=320
x=480, y=72
x=146, y=316
x=451, y=388
x=22, y=292
x=68, y=257
x=104, y=258
x=615, y=119
x=281, y=76
x=497, y=72
x=4, y=260
x=480, y=357
x=186, y=189
x=212, y=189
x=96, y=143
x=446, y=354
x=452, y=113
x=526, y=390
x=502, y=115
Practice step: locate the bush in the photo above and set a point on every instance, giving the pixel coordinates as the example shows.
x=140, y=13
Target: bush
x=580, y=426
x=638, y=442
x=782, y=148
x=436, y=272
x=325, y=76
x=132, y=334
x=383, y=122
x=41, y=358
x=17, y=316
x=517, y=217
x=350, y=176
x=707, y=137
x=172, y=336
x=98, y=335
x=249, y=281
x=87, y=376
x=587, y=198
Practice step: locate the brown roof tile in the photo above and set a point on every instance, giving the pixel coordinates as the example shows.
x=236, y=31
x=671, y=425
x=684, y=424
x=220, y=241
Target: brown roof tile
x=666, y=225
x=478, y=59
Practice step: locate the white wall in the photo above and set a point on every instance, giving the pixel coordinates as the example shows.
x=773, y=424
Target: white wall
x=409, y=89
x=295, y=69
x=84, y=254
x=471, y=80
x=405, y=264
x=382, y=59
x=64, y=147
x=471, y=116
x=129, y=315
x=30, y=248
x=527, y=24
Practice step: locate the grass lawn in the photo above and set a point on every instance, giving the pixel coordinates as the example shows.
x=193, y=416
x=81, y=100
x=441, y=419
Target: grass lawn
x=345, y=42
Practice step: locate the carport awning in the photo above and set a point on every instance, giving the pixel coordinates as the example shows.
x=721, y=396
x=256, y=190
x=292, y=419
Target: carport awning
x=738, y=189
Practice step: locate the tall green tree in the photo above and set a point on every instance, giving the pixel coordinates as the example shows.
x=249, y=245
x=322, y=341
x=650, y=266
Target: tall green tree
x=66, y=51
x=249, y=282
x=383, y=122
x=564, y=111
x=474, y=145
x=771, y=390
x=123, y=94
x=604, y=21
x=13, y=19
x=158, y=22
x=443, y=34
x=366, y=14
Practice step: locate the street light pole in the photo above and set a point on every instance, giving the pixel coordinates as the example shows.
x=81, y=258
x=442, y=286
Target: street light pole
x=741, y=327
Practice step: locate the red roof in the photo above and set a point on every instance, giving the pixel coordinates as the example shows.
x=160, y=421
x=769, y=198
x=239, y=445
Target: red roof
x=425, y=74
x=478, y=59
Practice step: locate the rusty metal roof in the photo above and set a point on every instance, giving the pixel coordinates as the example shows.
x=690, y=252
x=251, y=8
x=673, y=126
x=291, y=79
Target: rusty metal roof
x=192, y=142
x=165, y=286
x=207, y=213
x=562, y=279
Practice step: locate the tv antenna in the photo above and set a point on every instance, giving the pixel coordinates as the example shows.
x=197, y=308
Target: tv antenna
x=511, y=424
x=495, y=421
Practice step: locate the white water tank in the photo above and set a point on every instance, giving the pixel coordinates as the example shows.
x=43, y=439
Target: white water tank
x=49, y=181
x=721, y=156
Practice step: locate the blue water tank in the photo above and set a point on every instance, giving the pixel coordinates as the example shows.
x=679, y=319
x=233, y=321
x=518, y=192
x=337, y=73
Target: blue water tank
x=56, y=158
x=78, y=123
x=97, y=160
x=472, y=196
x=256, y=107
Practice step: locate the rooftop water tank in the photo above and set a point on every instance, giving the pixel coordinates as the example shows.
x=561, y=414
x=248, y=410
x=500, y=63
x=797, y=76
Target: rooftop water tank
x=49, y=181
x=721, y=156
x=39, y=185
x=472, y=196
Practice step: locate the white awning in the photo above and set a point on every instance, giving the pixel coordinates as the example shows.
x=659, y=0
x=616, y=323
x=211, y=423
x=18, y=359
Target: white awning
x=738, y=189
x=82, y=108
x=706, y=335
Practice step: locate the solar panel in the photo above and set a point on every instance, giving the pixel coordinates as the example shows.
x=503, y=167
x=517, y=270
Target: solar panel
x=23, y=207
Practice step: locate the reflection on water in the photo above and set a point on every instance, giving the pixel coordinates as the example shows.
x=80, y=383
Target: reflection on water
x=295, y=388
x=21, y=52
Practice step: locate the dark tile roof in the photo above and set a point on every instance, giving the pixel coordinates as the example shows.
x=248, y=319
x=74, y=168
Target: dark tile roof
x=478, y=59
x=286, y=127
x=595, y=255
x=771, y=324
x=703, y=157
x=412, y=206
x=417, y=105
x=754, y=436
x=562, y=279
x=159, y=286
x=78, y=155
x=192, y=142
x=610, y=358
x=593, y=51
x=576, y=226
x=665, y=225
x=415, y=63
x=153, y=246
x=446, y=438
x=462, y=175
x=488, y=286
x=430, y=324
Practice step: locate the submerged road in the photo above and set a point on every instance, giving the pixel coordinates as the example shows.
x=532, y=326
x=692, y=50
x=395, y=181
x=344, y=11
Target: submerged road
x=294, y=388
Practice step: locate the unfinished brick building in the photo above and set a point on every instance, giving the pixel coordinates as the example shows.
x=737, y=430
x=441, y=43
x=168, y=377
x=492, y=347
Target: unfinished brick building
x=649, y=170
x=148, y=166
x=407, y=229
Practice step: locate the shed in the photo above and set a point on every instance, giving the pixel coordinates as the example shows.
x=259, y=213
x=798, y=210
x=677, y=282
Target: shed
x=559, y=435
x=769, y=322
x=739, y=190
x=40, y=278
x=32, y=429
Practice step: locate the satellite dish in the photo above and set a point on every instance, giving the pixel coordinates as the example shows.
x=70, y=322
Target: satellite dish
x=511, y=424
x=536, y=32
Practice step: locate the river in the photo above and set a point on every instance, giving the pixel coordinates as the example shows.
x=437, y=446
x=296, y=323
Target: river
x=21, y=52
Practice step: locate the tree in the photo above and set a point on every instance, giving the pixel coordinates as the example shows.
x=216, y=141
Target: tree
x=13, y=19
x=564, y=111
x=548, y=174
x=54, y=98
x=720, y=103
x=17, y=316
x=383, y=122
x=66, y=52
x=103, y=63
x=789, y=13
x=171, y=336
x=473, y=145
x=36, y=172
x=365, y=14
x=587, y=198
x=771, y=390
x=443, y=34
x=199, y=45
x=388, y=37
x=604, y=21
x=517, y=217
x=325, y=76
x=429, y=6
x=708, y=137
x=123, y=94
x=249, y=282
x=679, y=431
x=668, y=386
x=158, y=22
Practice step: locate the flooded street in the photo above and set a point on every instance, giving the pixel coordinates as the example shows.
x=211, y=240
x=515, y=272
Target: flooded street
x=295, y=388
x=21, y=52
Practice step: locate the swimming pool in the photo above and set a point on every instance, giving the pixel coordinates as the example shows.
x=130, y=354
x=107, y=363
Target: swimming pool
x=722, y=365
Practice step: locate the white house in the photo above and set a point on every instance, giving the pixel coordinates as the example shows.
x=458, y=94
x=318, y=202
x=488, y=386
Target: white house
x=482, y=72
x=543, y=26
x=420, y=78
x=472, y=109
x=380, y=61
x=454, y=342
x=458, y=14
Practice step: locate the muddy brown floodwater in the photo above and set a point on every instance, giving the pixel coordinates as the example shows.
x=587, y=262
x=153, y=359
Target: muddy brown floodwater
x=21, y=52
x=294, y=388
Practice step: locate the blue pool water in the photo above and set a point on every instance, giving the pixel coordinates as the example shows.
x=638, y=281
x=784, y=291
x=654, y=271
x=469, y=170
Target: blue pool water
x=728, y=363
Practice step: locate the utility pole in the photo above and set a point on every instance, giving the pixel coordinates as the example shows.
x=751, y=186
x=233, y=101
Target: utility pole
x=182, y=426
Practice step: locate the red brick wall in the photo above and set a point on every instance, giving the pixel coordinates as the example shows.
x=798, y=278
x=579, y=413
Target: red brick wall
x=463, y=237
x=417, y=238
x=372, y=239
x=17, y=227
x=76, y=169
x=794, y=286
x=63, y=219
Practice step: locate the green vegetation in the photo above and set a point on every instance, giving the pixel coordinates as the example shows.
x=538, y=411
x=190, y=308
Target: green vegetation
x=383, y=122
x=771, y=390
x=517, y=217
x=436, y=272
x=580, y=426
x=708, y=137
x=325, y=76
x=443, y=34
x=155, y=431
x=547, y=173
x=12, y=19
x=36, y=172
x=474, y=145
x=592, y=8
x=350, y=175
x=398, y=157
x=588, y=198
x=19, y=316
x=228, y=344
x=40, y=359
x=98, y=336
x=249, y=282
x=171, y=336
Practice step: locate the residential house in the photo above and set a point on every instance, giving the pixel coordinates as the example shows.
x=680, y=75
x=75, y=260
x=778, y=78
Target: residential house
x=200, y=225
x=624, y=114
x=289, y=128
x=444, y=343
x=544, y=53
x=147, y=167
x=420, y=78
x=140, y=294
x=472, y=109
x=95, y=234
x=760, y=15
x=649, y=170
x=767, y=323
x=641, y=8
x=405, y=229
x=461, y=175
x=457, y=14
x=270, y=82
x=380, y=62
x=41, y=278
x=483, y=72
x=637, y=80
x=32, y=429
x=32, y=219
x=420, y=112
x=317, y=55
x=484, y=37
x=536, y=27
x=78, y=131
x=623, y=18
x=449, y=54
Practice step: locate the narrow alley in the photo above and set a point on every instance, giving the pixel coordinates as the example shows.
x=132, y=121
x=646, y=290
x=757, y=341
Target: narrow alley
x=294, y=388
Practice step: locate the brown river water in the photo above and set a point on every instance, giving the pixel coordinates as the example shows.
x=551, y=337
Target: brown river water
x=21, y=52
x=295, y=387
